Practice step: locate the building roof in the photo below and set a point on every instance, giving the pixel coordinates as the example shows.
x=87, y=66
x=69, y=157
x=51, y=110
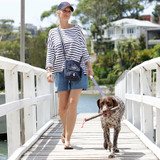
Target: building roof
x=134, y=22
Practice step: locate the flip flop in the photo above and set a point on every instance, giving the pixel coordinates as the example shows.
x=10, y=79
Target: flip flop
x=68, y=147
x=63, y=138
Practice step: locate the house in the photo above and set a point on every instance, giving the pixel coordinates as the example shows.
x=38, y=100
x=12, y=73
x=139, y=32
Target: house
x=152, y=37
x=127, y=28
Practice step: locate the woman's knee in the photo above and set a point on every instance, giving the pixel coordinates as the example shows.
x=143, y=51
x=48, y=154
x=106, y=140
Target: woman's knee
x=62, y=108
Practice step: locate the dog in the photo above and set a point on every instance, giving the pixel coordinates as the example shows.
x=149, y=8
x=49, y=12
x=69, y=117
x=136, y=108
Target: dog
x=113, y=109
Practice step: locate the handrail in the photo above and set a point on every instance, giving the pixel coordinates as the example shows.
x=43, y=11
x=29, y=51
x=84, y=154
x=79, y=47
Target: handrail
x=140, y=90
x=39, y=103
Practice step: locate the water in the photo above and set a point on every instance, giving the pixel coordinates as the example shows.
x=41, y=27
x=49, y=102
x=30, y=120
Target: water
x=3, y=150
x=86, y=104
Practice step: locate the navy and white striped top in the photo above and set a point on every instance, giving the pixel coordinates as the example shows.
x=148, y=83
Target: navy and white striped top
x=75, y=48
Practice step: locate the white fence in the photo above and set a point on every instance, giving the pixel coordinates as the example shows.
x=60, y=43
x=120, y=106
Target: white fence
x=25, y=117
x=140, y=90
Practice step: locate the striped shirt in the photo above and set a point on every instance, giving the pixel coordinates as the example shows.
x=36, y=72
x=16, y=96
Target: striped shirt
x=75, y=48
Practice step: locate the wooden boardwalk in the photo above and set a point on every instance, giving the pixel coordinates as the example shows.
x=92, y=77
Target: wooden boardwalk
x=87, y=143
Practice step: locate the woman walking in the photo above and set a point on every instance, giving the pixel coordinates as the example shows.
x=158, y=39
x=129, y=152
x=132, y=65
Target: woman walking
x=75, y=49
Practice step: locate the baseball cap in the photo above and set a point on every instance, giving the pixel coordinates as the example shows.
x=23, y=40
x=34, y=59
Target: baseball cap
x=64, y=5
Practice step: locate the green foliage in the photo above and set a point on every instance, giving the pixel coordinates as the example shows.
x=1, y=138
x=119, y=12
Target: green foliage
x=1, y=80
x=6, y=25
x=156, y=50
x=52, y=11
x=128, y=54
x=156, y=13
x=142, y=43
x=10, y=49
x=126, y=50
x=6, y=28
x=36, y=50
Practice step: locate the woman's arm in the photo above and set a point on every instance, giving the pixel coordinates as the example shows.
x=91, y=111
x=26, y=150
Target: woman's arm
x=50, y=58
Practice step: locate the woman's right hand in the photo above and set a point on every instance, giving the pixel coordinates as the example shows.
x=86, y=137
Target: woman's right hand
x=49, y=77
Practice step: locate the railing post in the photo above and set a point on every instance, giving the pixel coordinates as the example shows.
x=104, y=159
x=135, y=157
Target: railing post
x=13, y=118
x=146, y=110
x=55, y=102
x=135, y=105
x=29, y=111
x=43, y=108
x=129, y=102
x=157, y=109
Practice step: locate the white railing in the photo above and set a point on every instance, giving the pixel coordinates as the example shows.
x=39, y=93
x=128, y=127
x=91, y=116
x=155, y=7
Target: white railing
x=26, y=117
x=140, y=90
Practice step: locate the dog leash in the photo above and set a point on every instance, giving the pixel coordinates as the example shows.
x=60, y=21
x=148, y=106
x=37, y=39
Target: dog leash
x=102, y=94
x=97, y=85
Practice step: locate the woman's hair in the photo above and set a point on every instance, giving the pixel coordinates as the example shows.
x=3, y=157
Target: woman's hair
x=58, y=17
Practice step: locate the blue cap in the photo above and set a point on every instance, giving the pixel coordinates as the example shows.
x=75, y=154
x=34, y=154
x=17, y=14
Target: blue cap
x=64, y=5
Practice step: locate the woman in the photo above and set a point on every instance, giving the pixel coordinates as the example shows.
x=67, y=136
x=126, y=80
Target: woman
x=75, y=49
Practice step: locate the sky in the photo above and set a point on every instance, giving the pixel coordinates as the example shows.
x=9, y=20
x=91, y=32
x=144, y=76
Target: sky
x=10, y=9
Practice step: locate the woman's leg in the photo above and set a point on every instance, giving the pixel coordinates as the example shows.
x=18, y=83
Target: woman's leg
x=71, y=114
x=62, y=107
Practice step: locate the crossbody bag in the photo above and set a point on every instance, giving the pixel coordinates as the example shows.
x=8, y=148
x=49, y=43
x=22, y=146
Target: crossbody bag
x=72, y=69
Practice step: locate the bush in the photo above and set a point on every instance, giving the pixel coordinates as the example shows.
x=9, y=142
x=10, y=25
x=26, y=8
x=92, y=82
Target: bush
x=156, y=50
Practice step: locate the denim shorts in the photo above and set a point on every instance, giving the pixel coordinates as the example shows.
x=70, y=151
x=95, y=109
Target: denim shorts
x=62, y=84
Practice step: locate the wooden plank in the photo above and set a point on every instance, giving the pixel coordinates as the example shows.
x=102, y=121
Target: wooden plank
x=87, y=143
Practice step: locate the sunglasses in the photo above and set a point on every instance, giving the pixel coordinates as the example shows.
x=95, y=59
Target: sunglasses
x=65, y=11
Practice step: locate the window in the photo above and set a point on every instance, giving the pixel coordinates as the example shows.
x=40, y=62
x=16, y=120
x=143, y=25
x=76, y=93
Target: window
x=122, y=31
x=130, y=30
x=110, y=32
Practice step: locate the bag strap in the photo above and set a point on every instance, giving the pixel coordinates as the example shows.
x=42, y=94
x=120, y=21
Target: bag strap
x=60, y=35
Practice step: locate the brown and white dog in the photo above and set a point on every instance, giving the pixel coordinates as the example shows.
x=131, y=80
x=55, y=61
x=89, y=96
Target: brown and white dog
x=113, y=110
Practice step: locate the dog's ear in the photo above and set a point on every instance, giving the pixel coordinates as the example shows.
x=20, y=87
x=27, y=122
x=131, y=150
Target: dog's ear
x=99, y=104
x=115, y=103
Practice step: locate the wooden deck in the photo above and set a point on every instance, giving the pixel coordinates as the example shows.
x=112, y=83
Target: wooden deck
x=87, y=143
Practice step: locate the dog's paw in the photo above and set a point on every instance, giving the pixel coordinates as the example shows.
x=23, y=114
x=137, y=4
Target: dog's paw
x=105, y=145
x=116, y=150
x=110, y=146
x=111, y=155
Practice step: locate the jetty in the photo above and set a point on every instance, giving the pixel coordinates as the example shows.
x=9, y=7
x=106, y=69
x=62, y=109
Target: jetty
x=34, y=128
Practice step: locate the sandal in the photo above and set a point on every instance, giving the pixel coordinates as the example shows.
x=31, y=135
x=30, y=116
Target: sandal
x=63, y=138
x=68, y=147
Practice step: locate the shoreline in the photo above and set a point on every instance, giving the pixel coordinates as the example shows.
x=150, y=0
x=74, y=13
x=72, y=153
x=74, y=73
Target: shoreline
x=93, y=90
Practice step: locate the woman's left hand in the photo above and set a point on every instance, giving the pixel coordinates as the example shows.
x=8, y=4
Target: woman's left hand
x=90, y=70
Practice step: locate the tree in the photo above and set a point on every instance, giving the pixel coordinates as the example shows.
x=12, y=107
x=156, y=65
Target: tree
x=6, y=28
x=126, y=51
x=36, y=50
x=10, y=49
x=142, y=43
x=156, y=13
x=49, y=13
x=156, y=50
x=6, y=25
